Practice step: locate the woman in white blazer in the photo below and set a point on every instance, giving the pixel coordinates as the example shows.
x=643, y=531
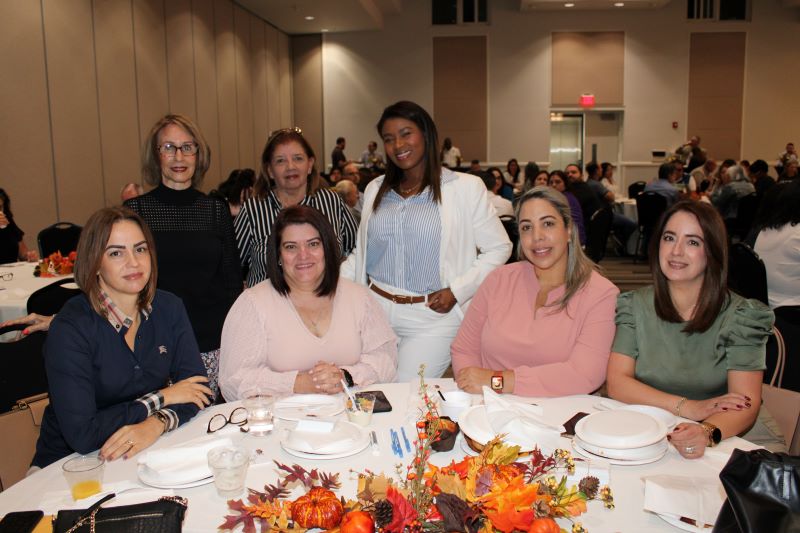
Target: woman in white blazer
x=428, y=238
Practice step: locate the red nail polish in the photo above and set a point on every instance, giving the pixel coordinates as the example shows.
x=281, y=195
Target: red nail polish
x=748, y=398
x=739, y=406
x=747, y=404
x=724, y=408
x=25, y=331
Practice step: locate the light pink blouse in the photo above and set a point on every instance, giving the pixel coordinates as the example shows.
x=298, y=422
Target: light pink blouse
x=265, y=343
x=552, y=353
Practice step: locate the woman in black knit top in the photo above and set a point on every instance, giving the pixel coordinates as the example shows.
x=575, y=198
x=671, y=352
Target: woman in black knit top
x=195, y=244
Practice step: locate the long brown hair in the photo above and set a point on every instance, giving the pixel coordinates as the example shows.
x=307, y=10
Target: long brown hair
x=151, y=160
x=714, y=290
x=277, y=138
x=433, y=163
x=92, y=246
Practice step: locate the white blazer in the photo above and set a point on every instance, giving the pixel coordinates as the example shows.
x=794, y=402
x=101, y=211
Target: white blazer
x=473, y=243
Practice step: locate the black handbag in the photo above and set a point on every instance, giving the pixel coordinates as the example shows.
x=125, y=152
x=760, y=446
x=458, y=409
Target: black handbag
x=164, y=515
x=763, y=491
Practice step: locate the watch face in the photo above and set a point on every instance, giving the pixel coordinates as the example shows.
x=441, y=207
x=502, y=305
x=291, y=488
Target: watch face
x=497, y=382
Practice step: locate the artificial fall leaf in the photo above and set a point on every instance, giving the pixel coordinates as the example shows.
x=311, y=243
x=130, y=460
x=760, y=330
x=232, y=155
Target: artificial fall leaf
x=403, y=514
x=508, y=505
x=451, y=484
x=298, y=473
x=497, y=453
x=456, y=514
x=373, y=488
x=329, y=481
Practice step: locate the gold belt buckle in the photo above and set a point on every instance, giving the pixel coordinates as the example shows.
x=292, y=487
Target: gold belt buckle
x=399, y=299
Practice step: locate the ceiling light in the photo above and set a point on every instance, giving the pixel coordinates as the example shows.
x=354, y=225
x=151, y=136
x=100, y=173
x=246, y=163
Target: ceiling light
x=324, y=30
x=569, y=4
x=309, y=17
x=619, y=4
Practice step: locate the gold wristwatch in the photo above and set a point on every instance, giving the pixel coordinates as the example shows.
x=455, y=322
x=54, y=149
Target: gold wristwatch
x=712, y=432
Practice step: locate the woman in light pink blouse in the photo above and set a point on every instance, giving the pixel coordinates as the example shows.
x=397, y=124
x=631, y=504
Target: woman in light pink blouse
x=304, y=330
x=542, y=326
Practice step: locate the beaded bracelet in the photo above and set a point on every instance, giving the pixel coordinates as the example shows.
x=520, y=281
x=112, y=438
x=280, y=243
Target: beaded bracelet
x=680, y=404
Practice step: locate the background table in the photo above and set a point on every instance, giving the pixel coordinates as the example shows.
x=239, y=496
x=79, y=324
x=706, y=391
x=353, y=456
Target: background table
x=206, y=509
x=14, y=294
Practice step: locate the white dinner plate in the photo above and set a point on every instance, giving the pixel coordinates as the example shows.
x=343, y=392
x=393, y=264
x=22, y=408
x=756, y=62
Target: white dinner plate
x=577, y=447
x=665, y=416
x=677, y=522
x=147, y=477
x=475, y=425
x=629, y=454
x=301, y=406
x=620, y=429
x=358, y=448
x=341, y=439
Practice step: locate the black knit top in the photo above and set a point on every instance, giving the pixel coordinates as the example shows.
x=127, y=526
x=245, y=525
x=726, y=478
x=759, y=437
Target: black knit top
x=197, y=257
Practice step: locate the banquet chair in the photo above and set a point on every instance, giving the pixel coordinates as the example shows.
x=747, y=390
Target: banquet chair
x=649, y=208
x=597, y=233
x=22, y=371
x=635, y=188
x=783, y=404
x=745, y=214
x=50, y=299
x=510, y=225
x=747, y=275
x=60, y=237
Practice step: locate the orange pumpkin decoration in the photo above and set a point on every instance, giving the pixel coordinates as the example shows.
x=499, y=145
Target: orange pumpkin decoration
x=544, y=525
x=357, y=522
x=318, y=508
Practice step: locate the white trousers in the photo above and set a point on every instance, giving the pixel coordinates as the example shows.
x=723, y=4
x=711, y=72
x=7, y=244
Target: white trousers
x=424, y=335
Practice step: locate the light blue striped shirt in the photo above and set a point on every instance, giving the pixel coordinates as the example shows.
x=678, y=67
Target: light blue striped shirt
x=403, y=241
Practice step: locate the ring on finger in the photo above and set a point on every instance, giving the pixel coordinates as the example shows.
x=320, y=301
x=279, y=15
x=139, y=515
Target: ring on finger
x=689, y=449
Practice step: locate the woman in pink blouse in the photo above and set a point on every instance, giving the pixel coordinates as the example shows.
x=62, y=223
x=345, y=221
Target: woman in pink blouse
x=304, y=329
x=542, y=326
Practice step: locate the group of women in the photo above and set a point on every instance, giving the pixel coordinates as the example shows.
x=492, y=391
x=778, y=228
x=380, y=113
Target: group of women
x=419, y=281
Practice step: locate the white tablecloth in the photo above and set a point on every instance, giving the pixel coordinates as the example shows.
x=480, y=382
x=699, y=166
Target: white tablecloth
x=206, y=509
x=14, y=294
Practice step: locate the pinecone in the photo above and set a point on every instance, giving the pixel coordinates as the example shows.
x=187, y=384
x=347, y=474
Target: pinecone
x=383, y=513
x=589, y=486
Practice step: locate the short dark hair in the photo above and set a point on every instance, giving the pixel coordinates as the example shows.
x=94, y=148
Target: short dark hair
x=488, y=178
x=591, y=168
x=92, y=247
x=759, y=165
x=666, y=170
x=278, y=138
x=433, y=163
x=714, y=291
x=151, y=159
x=340, y=140
x=779, y=206
x=296, y=215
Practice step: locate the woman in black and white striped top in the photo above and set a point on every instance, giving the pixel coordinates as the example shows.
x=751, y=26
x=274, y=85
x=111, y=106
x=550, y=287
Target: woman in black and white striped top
x=288, y=161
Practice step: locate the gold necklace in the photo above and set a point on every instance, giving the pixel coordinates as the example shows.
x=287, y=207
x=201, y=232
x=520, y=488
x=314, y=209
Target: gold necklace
x=409, y=190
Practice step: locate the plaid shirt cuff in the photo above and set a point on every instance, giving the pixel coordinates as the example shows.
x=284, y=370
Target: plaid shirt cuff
x=172, y=419
x=152, y=402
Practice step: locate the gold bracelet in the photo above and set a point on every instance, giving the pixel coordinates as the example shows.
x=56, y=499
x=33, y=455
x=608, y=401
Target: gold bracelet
x=680, y=404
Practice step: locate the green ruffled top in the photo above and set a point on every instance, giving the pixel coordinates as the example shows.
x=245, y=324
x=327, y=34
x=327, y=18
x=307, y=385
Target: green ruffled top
x=692, y=365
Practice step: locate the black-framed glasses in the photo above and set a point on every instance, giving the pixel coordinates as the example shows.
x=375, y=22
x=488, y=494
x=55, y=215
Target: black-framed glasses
x=170, y=149
x=7, y=276
x=237, y=417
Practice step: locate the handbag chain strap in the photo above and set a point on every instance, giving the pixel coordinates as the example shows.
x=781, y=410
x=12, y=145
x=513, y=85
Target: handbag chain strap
x=183, y=502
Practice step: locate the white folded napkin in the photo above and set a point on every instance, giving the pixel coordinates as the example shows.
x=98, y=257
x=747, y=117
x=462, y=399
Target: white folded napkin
x=342, y=438
x=523, y=423
x=718, y=456
x=127, y=492
x=695, y=497
x=185, y=463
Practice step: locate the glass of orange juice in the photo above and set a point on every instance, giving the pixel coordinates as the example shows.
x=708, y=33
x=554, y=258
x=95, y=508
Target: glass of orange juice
x=84, y=475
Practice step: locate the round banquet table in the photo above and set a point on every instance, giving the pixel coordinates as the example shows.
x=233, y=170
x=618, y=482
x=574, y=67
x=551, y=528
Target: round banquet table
x=207, y=510
x=14, y=293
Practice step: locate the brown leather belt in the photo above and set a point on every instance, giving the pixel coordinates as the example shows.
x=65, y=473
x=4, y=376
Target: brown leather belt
x=397, y=298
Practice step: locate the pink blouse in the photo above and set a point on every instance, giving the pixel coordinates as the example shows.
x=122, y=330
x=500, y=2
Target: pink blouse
x=552, y=353
x=265, y=343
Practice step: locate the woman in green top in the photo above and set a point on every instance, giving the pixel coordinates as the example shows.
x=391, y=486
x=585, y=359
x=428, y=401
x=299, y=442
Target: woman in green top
x=687, y=344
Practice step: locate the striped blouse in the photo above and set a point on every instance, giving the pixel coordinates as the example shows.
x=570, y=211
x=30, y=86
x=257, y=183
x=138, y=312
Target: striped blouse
x=404, y=238
x=254, y=224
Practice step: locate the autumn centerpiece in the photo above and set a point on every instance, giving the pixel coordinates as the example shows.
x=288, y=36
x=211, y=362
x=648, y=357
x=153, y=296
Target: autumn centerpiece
x=492, y=492
x=55, y=265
